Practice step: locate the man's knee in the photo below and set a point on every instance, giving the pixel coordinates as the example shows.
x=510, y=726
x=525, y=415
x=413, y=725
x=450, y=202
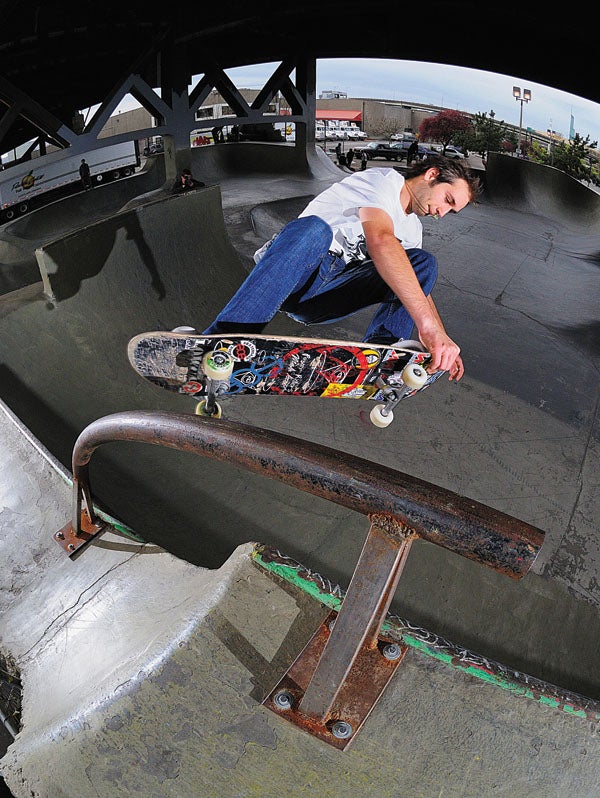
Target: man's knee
x=303, y=236
x=315, y=228
x=303, y=241
x=425, y=266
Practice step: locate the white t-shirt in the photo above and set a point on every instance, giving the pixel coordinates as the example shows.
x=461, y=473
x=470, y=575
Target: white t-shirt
x=371, y=188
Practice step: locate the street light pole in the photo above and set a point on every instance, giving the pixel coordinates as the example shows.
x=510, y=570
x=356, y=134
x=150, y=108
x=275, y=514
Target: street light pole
x=521, y=99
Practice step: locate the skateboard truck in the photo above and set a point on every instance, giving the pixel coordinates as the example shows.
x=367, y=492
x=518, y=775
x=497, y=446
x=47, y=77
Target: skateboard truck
x=217, y=367
x=413, y=377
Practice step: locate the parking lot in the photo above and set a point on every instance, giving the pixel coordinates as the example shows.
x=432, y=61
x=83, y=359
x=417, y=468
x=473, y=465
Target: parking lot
x=473, y=159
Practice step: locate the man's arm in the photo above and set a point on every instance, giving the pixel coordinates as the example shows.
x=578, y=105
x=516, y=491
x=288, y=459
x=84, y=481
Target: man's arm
x=458, y=369
x=394, y=267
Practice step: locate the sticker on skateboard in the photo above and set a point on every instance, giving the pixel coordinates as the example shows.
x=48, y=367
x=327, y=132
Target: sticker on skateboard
x=209, y=366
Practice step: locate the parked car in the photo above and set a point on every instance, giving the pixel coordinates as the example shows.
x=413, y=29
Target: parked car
x=451, y=150
x=454, y=152
x=425, y=151
x=403, y=137
x=153, y=149
x=378, y=149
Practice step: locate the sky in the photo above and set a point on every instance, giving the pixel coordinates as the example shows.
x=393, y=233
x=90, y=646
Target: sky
x=448, y=86
x=460, y=88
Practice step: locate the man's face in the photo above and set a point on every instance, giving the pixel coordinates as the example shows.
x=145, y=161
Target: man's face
x=438, y=199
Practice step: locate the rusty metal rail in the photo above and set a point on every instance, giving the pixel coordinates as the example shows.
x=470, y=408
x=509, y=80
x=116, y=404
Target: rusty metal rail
x=335, y=682
x=440, y=516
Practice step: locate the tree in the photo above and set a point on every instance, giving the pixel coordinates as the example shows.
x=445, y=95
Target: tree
x=443, y=127
x=387, y=128
x=510, y=142
x=571, y=157
x=488, y=133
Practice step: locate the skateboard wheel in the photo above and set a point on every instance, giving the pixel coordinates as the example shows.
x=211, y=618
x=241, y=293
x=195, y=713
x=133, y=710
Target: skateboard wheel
x=201, y=410
x=217, y=365
x=414, y=376
x=378, y=418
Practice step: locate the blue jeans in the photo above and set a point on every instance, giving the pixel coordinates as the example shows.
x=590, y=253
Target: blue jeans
x=299, y=275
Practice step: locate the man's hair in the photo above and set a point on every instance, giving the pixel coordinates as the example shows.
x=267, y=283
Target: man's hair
x=186, y=172
x=450, y=170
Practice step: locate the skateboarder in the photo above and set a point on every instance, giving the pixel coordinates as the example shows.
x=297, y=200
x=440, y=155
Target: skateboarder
x=357, y=244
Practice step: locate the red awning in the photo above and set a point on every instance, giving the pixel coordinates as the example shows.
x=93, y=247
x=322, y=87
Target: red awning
x=341, y=116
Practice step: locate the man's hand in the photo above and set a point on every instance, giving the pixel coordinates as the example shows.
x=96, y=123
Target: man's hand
x=445, y=354
x=456, y=370
x=442, y=348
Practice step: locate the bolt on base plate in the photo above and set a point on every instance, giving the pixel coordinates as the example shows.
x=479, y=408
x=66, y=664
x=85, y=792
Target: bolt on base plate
x=71, y=541
x=361, y=689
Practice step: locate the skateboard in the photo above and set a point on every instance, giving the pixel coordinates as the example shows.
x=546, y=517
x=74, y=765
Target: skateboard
x=209, y=366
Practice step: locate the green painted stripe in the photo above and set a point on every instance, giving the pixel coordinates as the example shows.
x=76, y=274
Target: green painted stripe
x=119, y=526
x=291, y=575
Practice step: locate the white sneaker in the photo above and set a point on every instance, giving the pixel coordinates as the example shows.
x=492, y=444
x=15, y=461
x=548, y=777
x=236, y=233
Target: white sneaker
x=184, y=329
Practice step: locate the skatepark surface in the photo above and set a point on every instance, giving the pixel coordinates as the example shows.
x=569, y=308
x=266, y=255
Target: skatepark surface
x=184, y=625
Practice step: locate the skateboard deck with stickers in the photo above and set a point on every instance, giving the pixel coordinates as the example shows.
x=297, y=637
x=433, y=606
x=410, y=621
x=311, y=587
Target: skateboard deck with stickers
x=205, y=367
